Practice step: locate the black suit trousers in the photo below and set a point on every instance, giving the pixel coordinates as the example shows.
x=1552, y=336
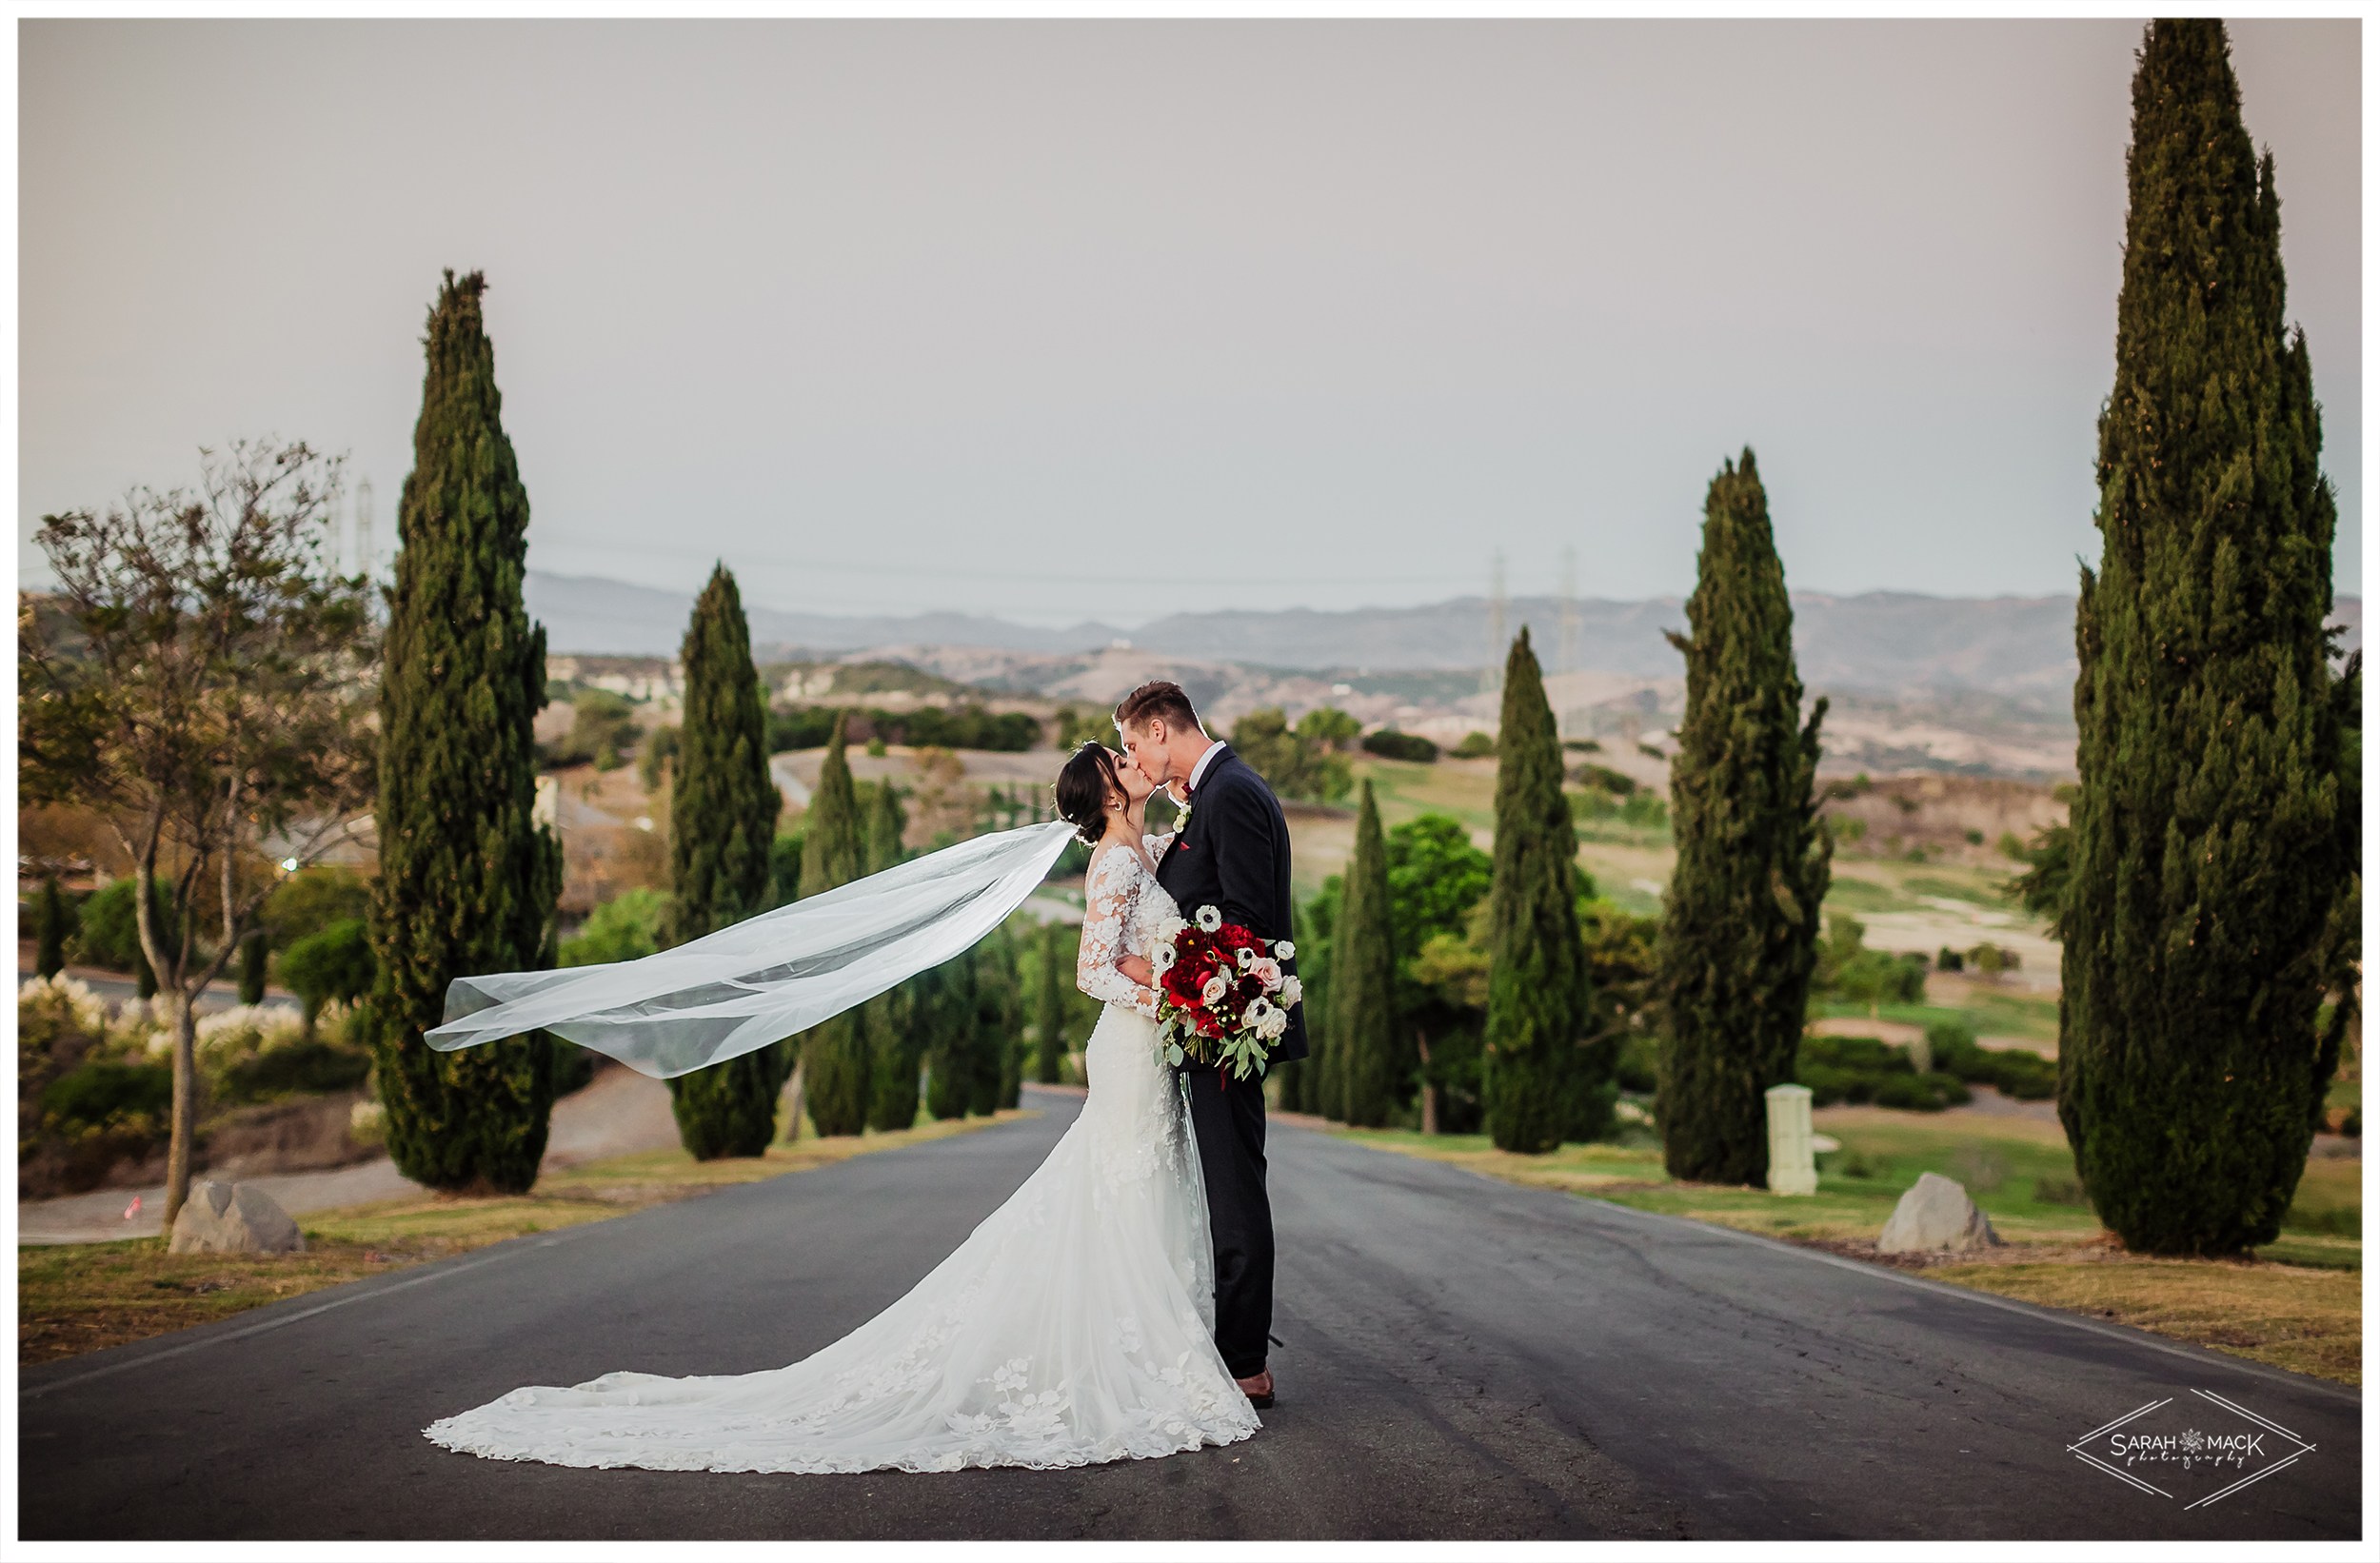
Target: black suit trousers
x=1228, y=1120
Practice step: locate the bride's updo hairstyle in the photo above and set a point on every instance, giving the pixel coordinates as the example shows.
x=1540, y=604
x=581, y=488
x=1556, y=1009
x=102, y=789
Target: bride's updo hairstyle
x=1085, y=782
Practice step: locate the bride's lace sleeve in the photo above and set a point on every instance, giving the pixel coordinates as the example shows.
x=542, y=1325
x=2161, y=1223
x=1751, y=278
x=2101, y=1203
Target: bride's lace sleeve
x=1157, y=845
x=1107, y=901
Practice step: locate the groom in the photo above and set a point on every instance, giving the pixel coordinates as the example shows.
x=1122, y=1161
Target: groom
x=1232, y=854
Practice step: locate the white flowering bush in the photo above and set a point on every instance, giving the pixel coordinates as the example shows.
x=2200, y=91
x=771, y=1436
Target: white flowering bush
x=55, y=1003
x=233, y=1035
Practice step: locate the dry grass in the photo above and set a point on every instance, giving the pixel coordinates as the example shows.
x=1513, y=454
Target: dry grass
x=2306, y=1320
x=80, y=1298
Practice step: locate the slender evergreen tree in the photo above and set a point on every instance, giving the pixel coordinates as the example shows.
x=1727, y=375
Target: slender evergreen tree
x=1371, y=1051
x=1542, y=1084
x=835, y=1052
x=946, y=1021
x=2214, y=876
x=50, y=957
x=997, y=1019
x=895, y=1052
x=467, y=877
x=252, y=967
x=1049, y=1006
x=722, y=824
x=1321, y=1087
x=1741, y=922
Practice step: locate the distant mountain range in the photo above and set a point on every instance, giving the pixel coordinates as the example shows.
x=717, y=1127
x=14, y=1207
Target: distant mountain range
x=2017, y=647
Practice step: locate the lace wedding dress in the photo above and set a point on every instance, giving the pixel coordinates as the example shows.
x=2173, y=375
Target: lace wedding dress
x=1073, y=1327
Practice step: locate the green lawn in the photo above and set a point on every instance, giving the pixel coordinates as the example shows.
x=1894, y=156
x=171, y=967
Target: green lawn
x=2030, y=1017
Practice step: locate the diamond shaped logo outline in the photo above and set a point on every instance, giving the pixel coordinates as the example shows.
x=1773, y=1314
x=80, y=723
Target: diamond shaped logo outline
x=2081, y=1452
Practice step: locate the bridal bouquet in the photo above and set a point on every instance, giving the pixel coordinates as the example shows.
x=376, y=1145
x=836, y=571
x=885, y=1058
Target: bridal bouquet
x=1222, y=996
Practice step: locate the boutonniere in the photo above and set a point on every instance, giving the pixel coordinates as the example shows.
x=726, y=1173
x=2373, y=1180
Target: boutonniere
x=1181, y=822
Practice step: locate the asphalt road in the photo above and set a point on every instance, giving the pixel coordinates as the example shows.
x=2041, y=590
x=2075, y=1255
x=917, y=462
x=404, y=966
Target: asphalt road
x=1462, y=1359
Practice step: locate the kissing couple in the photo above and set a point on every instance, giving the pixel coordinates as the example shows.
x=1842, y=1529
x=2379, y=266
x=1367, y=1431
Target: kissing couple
x=1118, y=1305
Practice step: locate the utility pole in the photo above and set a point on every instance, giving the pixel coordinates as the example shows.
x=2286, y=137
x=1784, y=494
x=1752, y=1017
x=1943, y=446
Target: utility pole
x=1567, y=661
x=1498, y=645
x=364, y=563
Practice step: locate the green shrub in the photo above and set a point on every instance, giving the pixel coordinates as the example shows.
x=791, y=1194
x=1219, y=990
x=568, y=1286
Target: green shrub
x=297, y=1069
x=110, y=1096
x=1391, y=744
x=1473, y=746
x=1923, y=1093
x=1603, y=778
x=2014, y=1071
x=2059, y=1191
x=109, y=933
x=627, y=927
x=333, y=966
x=312, y=900
x=1639, y=1063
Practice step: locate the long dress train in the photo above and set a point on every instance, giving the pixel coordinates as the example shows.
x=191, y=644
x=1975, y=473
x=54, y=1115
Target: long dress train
x=1074, y=1326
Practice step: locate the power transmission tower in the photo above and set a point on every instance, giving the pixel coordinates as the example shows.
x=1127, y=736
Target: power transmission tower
x=1493, y=679
x=364, y=561
x=1568, y=662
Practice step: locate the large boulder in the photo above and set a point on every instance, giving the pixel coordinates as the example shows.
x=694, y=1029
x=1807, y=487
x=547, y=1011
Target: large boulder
x=234, y=1219
x=1937, y=1216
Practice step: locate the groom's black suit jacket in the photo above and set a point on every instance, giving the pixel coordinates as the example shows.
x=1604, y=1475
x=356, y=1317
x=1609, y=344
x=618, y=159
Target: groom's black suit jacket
x=1235, y=857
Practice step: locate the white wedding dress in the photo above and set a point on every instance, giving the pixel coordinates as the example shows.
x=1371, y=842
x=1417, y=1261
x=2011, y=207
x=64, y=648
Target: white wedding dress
x=1074, y=1326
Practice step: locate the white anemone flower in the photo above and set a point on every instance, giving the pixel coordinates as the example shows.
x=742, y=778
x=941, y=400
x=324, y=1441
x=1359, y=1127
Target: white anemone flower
x=1258, y=1013
x=1209, y=919
x=1246, y=960
x=1162, y=958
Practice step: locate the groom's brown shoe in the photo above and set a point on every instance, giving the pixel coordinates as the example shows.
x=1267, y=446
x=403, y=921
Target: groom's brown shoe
x=1258, y=1390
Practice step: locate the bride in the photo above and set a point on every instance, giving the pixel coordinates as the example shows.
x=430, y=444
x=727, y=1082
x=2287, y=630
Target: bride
x=1074, y=1325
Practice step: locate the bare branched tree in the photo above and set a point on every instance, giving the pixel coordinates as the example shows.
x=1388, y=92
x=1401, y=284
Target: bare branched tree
x=203, y=678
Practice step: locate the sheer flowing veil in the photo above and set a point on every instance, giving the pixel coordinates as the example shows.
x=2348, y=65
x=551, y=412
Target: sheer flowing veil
x=769, y=975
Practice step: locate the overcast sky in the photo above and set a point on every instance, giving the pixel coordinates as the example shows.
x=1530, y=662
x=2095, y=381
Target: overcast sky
x=1065, y=320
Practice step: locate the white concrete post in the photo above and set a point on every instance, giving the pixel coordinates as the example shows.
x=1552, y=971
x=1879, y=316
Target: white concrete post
x=1791, y=1169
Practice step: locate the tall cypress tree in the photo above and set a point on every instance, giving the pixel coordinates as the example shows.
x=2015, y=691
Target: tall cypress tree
x=252, y=953
x=1741, y=923
x=467, y=877
x=946, y=1019
x=723, y=823
x=49, y=957
x=1049, y=1006
x=2213, y=878
x=893, y=1047
x=1372, y=1053
x=1543, y=1085
x=997, y=1014
x=834, y=1053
